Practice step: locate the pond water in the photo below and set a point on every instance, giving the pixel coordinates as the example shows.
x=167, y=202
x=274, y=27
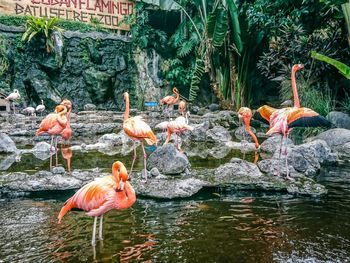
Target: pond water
x=216, y=225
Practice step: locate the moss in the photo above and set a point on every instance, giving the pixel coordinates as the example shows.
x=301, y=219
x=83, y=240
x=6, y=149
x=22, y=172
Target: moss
x=13, y=20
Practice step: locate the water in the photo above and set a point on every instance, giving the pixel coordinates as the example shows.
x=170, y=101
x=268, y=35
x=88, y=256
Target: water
x=213, y=226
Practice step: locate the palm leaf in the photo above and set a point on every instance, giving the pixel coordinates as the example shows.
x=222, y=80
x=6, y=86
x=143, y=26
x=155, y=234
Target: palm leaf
x=196, y=79
x=217, y=26
x=343, y=69
x=235, y=25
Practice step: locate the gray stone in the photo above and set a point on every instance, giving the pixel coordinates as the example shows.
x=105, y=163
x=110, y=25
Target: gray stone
x=242, y=134
x=272, y=144
x=58, y=170
x=168, y=160
x=6, y=144
x=335, y=138
x=346, y=148
x=218, y=134
x=236, y=168
x=43, y=147
x=155, y=172
x=90, y=107
x=194, y=109
x=114, y=139
x=198, y=134
x=339, y=119
x=6, y=161
x=214, y=107
x=168, y=188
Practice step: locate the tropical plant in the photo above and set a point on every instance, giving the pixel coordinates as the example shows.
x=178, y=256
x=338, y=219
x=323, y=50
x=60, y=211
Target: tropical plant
x=4, y=63
x=43, y=27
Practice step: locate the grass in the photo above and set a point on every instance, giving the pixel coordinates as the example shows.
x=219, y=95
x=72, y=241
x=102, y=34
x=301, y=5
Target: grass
x=346, y=103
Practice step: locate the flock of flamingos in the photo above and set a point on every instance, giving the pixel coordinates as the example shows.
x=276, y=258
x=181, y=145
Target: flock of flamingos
x=115, y=192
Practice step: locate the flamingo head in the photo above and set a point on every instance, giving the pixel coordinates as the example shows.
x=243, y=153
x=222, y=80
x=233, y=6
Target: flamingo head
x=244, y=113
x=16, y=91
x=67, y=103
x=175, y=90
x=122, y=174
x=297, y=67
x=126, y=96
x=60, y=108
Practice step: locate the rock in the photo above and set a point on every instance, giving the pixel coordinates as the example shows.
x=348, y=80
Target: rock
x=168, y=160
x=244, y=146
x=346, y=148
x=201, y=111
x=114, y=139
x=58, y=170
x=194, y=109
x=168, y=188
x=214, y=107
x=272, y=144
x=90, y=107
x=276, y=167
x=6, y=161
x=339, y=119
x=198, y=134
x=236, y=168
x=335, y=138
x=218, y=134
x=242, y=134
x=6, y=144
x=43, y=147
x=155, y=172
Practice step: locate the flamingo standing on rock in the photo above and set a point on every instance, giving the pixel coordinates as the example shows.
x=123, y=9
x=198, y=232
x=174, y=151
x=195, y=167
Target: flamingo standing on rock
x=283, y=120
x=102, y=195
x=182, y=107
x=13, y=96
x=170, y=100
x=139, y=130
x=245, y=114
x=40, y=108
x=53, y=124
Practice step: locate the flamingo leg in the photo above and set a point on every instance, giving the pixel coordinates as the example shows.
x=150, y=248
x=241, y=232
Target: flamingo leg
x=56, y=151
x=287, y=169
x=14, y=108
x=51, y=152
x=134, y=158
x=93, y=240
x=100, y=228
x=144, y=160
x=279, y=155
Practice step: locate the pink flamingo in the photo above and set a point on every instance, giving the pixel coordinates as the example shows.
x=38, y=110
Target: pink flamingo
x=53, y=124
x=177, y=126
x=170, y=100
x=182, y=107
x=245, y=114
x=67, y=132
x=102, y=195
x=139, y=130
x=13, y=96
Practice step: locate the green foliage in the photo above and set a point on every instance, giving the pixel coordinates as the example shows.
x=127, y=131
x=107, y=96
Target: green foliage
x=44, y=27
x=346, y=103
x=4, y=63
x=343, y=69
x=13, y=20
x=196, y=79
x=217, y=26
x=175, y=72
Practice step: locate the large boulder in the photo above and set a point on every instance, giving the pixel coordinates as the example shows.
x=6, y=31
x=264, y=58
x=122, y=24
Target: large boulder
x=340, y=119
x=42, y=150
x=113, y=139
x=218, y=134
x=6, y=144
x=198, y=134
x=242, y=134
x=6, y=161
x=271, y=144
x=335, y=138
x=168, y=160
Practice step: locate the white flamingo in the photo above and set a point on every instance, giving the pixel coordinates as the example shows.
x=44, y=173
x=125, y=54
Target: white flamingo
x=13, y=96
x=29, y=110
x=40, y=108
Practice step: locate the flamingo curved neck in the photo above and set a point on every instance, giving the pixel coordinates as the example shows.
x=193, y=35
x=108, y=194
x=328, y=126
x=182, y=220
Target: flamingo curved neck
x=130, y=193
x=126, y=113
x=115, y=172
x=294, y=88
x=247, y=126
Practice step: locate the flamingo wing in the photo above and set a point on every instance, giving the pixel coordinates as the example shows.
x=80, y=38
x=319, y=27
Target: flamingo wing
x=264, y=113
x=305, y=117
x=135, y=127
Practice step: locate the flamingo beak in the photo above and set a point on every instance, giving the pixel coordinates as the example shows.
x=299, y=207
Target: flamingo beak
x=121, y=185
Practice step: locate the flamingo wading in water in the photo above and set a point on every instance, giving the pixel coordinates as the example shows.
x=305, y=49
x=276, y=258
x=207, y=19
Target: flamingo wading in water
x=137, y=129
x=283, y=120
x=53, y=124
x=102, y=195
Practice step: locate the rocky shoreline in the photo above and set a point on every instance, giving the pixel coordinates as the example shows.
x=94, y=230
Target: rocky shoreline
x=171, y=174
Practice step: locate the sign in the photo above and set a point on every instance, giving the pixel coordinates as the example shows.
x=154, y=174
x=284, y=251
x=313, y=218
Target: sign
x=151, y=103
x=108, y=13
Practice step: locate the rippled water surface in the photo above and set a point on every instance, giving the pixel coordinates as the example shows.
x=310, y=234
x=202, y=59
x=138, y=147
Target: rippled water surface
x=213, y=226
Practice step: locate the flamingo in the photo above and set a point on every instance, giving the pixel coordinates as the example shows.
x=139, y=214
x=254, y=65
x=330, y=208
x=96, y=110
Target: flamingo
x=139, y=130
x=67, y=132
x=283, y=120
x=170, y=100
x=40, y=108
x=67, y=154
x=29, y=110
x=179, y=125
x=53, y=124
x=245, y=114
x=182, y=107
x=102, y=195
x=13, y=96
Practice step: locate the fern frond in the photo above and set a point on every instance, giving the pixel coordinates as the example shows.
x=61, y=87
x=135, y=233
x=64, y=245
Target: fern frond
x=196, y=79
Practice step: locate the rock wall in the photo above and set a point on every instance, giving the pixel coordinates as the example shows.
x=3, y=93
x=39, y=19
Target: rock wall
x=94, y=68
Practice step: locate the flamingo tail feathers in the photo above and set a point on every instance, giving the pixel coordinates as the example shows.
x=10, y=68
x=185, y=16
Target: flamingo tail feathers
x=152, y=139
